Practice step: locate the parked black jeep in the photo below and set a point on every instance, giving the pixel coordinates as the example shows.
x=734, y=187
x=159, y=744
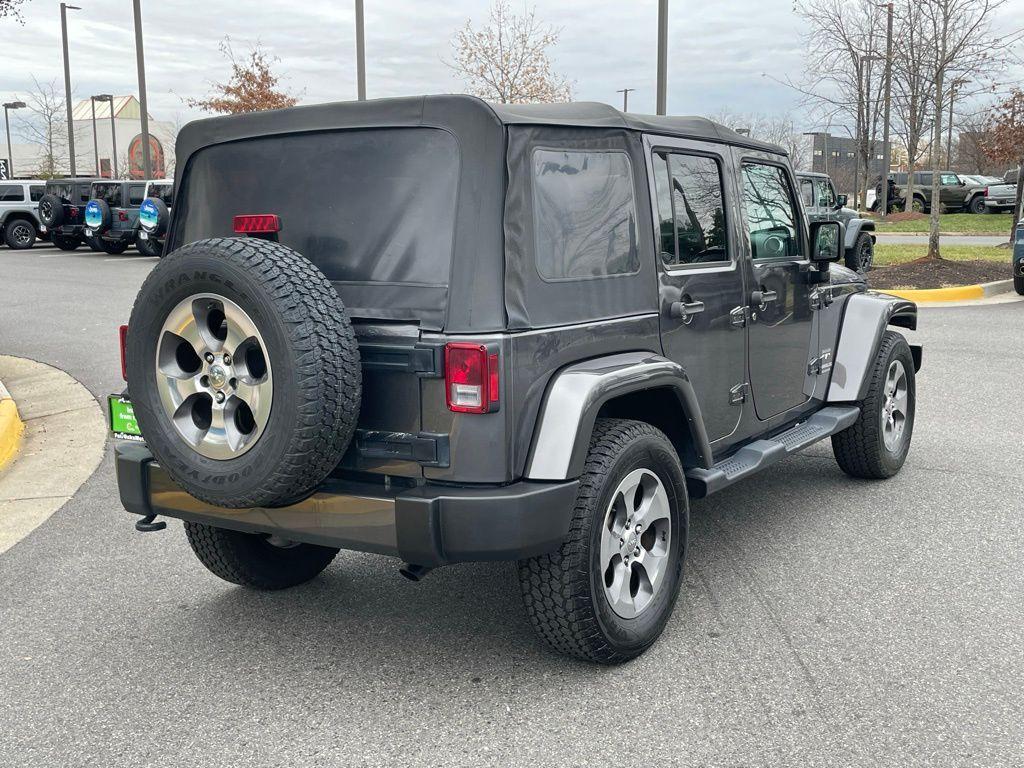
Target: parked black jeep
x=823, y=204
x=112, y=214
x=62, y=212
x=451, y=331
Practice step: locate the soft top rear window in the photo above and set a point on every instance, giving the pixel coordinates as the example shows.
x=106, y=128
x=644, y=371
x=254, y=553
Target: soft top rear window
x=111, y=193
x=371, y=208
x=163, y=191
x=63, y=191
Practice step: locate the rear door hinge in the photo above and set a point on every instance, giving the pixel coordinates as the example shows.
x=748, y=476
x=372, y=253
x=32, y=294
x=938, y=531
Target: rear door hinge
x=738, y=316
x=738, y=394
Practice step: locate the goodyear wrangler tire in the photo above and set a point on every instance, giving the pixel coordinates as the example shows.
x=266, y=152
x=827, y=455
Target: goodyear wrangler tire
x=244, y=371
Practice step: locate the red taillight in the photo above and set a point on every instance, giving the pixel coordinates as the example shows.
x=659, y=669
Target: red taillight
x=257, y=224
x=122, y=335
x=471, y=378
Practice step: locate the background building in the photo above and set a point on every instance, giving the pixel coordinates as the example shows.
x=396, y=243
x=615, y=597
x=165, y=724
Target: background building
x=837, y=156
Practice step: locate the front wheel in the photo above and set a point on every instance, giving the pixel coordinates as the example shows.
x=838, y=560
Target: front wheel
x=606, y=594
x=256, y=560
x=20, y=234
x=877, y=444
x=977, y=205
x=1018, y=284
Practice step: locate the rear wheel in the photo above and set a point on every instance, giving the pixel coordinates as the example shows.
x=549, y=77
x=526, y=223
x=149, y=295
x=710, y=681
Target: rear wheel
x=1018, y=284
x=863, y=253
x=149, y=247
x=94, y=243
x=66, y=242
x=20, y=234
x=877, y=444
x=256, y=560
x=606, y=594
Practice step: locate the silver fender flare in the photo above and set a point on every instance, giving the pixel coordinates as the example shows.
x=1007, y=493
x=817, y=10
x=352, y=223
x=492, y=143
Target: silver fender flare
x=575, y=396
x=865, y=318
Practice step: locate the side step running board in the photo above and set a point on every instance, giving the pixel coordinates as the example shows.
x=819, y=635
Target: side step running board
x=762, y=453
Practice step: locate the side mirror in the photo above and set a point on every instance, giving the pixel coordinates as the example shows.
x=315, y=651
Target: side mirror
x=826, y=241
x=841, y=201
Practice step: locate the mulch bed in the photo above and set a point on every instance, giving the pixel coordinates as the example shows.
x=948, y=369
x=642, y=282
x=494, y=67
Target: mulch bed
x=939, y=273
x=895, y=218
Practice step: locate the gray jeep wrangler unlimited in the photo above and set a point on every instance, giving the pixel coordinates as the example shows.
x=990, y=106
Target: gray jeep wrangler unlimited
x=823, y=204
x=447, y=331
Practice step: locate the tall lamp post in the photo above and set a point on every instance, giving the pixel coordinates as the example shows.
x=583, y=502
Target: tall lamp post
x=95, y=143
x=886, y=150
x=140, y=61
x=360, y=53
x=625, y=97
x=64, y=8
x=662, y=56
x=7, y=125
x=113, y=131
x=953, y=87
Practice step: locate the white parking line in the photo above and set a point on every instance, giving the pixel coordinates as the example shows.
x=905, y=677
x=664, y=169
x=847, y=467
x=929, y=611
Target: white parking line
x=135, y=258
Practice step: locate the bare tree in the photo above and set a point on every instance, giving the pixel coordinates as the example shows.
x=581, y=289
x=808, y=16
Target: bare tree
x=845, y=43
x=9, y=9
x=1006, y=142
x=964, y=47
x=777, y=129
x=252, y=87
x=507, y=60
x=46, y=127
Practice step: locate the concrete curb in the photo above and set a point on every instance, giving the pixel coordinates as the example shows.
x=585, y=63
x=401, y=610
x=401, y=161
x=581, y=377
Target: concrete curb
x=11, y=427
x=62, y=443
x=955, y=293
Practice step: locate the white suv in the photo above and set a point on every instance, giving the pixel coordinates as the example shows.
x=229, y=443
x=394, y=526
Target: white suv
x=19, y=219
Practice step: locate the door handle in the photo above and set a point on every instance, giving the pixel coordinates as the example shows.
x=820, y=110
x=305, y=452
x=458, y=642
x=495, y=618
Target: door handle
x=762, y=297
x=685, y=310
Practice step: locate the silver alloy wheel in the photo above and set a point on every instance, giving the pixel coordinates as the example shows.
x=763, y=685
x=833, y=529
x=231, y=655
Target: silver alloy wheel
x=214, y=377
x=635, y=539
x=894, y=410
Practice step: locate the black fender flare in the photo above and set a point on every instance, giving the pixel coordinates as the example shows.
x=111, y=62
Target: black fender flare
x=574, y=398
x=865, y=318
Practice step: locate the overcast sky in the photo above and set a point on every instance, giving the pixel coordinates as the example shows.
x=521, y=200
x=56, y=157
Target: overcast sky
x=717, y=50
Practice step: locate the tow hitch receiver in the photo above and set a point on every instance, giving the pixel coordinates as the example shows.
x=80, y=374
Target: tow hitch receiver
x=146, y=524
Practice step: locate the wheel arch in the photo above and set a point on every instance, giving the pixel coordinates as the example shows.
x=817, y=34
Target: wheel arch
x=866, y=316
x=636, y=385
x=16, y=215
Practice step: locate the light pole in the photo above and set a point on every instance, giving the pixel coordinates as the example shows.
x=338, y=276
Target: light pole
x=625, y=97
x=888, y=102
x=95, y=144
x=662, y=55
x=949, y=134
x=7, y=125
x=140, y=61
x=113, y=131
x=360, y=53
x=64, y=8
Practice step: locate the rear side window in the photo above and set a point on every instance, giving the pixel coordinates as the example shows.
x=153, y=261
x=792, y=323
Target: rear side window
x=11, y=193
x=691, y=210
x=110, y=193
x=136, y=194
x=584, y=214
x=36, y=192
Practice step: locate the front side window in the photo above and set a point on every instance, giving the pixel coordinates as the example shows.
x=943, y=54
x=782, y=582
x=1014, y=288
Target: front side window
x=584, y=214
x=11, y=193
x=771, y=215
x=690, y=208
x=825, y=194
x=950, y=179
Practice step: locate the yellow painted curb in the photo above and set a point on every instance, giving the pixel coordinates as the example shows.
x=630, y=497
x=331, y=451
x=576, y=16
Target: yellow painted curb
x=11, y=428
x=956, y=293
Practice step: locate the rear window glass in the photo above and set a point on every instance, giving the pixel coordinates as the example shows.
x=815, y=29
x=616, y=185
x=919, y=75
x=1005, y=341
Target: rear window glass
x=110, y=193
x=164, y=192
x=36, y=192
x=364, y=205
x=136, y=194
x=584, y=214
x=11, y=193
x=63, y=191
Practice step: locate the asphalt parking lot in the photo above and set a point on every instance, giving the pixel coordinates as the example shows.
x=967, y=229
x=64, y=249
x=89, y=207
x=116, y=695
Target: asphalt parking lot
x=823, y=621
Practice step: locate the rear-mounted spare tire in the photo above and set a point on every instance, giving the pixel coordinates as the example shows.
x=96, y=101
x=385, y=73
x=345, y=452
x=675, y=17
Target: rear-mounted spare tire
x=244, y=372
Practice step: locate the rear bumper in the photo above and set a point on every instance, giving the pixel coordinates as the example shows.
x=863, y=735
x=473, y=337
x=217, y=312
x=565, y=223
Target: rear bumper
x=429, y=525
x=117, y=235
